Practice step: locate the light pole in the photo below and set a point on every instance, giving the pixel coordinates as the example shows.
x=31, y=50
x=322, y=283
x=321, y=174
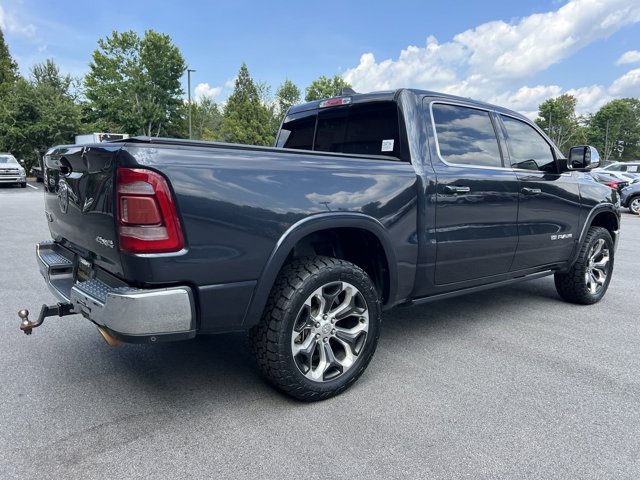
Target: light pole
x=189, y=96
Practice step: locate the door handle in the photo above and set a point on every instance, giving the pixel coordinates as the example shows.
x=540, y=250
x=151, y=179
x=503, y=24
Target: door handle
x=531, y=191
x=456, y=189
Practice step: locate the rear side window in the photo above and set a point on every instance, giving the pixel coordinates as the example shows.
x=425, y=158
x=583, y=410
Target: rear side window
x=527, y=148
x=466, y=136
x=365, y=129
x=297, y=131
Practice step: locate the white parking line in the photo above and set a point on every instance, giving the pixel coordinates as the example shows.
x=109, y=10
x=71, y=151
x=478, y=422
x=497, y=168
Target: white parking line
x=35, y=188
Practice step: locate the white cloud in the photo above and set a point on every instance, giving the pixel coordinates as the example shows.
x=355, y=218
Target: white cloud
x=10, y=24
x=493, y=60
x=204, y=90
x=510, y=51
x=632, y=56
x=627, y=85
x=590, y=98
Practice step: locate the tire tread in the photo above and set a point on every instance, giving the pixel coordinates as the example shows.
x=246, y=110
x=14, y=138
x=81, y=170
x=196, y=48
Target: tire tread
x=265, y=336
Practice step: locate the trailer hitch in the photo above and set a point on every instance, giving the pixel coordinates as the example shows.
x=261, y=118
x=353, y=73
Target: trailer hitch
x=59, y=309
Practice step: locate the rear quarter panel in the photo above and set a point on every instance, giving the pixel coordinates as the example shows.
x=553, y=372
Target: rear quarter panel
x=235, y=205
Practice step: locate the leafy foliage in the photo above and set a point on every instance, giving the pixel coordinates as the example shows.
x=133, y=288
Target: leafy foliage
x=623, y=119
x=206, y=119
x=134, y=84
x=325, y=87
x=246, y=119
x=288, y=95
x=39, y=113
x=557, y=117
x=8, y=67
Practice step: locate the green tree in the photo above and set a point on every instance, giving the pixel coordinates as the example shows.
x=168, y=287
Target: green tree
x=325, y=87
x=615, y=127
x=8, y=68
x=245, y=119
x=557, y=117
x=39, y=113
x=287, y=95
x=133, y=85
x=206, y=119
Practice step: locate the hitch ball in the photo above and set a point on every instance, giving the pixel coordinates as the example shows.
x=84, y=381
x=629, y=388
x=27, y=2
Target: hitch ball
x=25, y=323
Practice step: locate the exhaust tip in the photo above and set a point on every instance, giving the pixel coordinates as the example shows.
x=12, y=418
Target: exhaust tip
x=110, y=339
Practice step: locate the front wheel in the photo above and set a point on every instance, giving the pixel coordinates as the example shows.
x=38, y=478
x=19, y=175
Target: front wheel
x=320, y=328
x=588, y=279
x=23, y=185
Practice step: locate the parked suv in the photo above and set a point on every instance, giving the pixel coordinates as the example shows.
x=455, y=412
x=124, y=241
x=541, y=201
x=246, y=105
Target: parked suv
x=11, y=171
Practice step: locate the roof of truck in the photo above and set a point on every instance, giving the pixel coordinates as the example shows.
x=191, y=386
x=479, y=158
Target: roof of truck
x=391, y=95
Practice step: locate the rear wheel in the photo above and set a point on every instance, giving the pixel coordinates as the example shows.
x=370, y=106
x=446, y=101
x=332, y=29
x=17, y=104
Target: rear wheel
x=320, y=328
x=634, y=205
x=587, y=281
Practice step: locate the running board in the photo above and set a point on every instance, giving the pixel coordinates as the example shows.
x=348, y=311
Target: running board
x=479, y=288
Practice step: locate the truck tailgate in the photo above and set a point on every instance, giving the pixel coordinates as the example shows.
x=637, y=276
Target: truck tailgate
x=80, y=202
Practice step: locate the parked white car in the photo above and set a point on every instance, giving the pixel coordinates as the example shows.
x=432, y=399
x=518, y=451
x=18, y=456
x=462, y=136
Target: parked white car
x=11, y=171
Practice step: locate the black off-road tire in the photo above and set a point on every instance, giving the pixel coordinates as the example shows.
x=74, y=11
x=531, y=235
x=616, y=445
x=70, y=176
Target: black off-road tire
x=573, y=285
x=272, y=340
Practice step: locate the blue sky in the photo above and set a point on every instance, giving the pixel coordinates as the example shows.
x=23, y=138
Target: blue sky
x=515, y=54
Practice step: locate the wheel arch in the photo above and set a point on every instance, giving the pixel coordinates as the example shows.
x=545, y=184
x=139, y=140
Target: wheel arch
x=631, y=199
x=605, y=216
x=317, y=235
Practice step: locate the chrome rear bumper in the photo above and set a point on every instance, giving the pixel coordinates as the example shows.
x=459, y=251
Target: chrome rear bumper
x=130, y=314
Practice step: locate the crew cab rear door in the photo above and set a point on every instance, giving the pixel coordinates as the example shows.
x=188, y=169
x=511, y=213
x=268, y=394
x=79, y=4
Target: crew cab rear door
x=477, y=197
x=549, y=201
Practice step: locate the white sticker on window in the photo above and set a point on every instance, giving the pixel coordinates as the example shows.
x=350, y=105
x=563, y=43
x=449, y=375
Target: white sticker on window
x=387, y=145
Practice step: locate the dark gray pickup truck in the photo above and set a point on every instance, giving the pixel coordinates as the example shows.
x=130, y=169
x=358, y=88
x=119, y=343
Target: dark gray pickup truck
x=367, y=201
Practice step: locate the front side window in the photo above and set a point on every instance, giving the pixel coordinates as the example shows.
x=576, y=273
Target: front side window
x=466, y=136
x=527, y=148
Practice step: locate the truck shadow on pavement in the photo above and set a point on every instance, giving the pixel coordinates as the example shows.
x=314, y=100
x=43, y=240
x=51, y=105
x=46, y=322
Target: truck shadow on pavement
x=219, y=369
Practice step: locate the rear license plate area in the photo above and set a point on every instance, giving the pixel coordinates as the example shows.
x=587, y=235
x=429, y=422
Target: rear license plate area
x=84, y=269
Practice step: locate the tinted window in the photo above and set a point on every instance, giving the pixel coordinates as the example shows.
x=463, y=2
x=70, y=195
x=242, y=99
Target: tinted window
x=527, y=148
x=466, y=136
x=297, y=131
x=368, y=129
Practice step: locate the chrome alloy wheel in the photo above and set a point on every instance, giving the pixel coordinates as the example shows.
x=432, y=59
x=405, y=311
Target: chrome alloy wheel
x=635, y=205
x=598, y=267
x=330, y=331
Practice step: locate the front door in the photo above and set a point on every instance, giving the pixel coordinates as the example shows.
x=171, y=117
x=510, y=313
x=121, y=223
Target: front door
x=549, y=203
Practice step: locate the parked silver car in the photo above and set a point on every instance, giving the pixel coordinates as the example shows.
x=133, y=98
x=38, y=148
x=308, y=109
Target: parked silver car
x=11, y=171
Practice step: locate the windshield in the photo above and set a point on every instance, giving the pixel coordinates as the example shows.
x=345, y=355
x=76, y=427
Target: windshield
x=8, y=159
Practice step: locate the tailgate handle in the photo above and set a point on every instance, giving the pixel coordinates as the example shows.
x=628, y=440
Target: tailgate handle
x=456, y=189
x=531, y=191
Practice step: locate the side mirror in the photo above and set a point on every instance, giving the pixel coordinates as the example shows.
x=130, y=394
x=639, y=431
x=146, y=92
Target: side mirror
x=21, y=162
x=583, y=157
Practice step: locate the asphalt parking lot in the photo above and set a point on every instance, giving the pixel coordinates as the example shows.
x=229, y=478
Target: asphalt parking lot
x=510, y=383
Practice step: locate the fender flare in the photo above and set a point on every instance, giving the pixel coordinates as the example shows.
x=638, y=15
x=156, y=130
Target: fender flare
x=299, y=230
x=595, y=211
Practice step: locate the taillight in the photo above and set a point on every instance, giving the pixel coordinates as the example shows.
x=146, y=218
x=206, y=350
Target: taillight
x=613, y=185
x=147, y=218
